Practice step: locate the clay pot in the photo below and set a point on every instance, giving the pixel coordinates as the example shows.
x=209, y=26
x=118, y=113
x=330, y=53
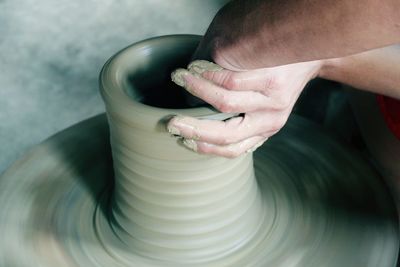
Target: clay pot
x=170, y=203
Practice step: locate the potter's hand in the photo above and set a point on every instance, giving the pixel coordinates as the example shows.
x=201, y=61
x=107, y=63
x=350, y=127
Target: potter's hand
x=265, y=97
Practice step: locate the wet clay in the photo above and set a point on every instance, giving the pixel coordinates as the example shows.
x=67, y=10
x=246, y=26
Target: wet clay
x=302, y=199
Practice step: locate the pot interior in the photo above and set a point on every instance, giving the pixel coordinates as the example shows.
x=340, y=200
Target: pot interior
x=150, y=82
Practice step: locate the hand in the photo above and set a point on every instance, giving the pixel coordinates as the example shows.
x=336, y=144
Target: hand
x=265, y=97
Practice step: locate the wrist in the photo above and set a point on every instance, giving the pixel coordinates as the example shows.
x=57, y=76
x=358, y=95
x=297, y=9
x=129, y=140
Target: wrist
x=330, y=68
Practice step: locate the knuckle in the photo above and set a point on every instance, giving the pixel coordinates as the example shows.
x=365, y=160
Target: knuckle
x=282, y=103
x=226, y=106
x=205, y=149
x=224, y=141
x=210, y=75
x=270, y=83
x=232, y=153
x=228, y=134
x=276, y=125
x=202, y=150
x=234, y=137
x=231, y=82
x=220, y=106
x=227, y=140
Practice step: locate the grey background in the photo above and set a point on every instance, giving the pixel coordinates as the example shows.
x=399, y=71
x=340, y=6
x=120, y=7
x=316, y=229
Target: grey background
x=51, y=53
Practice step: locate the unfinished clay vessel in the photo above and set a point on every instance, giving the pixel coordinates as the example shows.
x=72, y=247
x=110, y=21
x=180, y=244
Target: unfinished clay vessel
x=170, y=203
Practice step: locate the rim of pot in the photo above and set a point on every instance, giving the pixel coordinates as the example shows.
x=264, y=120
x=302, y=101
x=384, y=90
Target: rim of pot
x=115, y=85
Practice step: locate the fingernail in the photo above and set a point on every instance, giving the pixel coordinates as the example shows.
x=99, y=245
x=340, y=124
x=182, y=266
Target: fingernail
x=191, y=144
x=196, y=70
x=177, y=77
x=200, y=66
x=175, y=125
x=173, y=130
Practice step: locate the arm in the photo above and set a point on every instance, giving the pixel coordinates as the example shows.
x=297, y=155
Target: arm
x=249, y=34
x=377, y=71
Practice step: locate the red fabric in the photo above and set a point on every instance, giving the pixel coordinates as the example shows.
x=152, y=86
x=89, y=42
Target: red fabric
x=391, y=112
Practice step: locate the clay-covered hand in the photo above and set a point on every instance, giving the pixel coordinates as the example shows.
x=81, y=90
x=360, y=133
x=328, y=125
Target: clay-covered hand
x=263, y=97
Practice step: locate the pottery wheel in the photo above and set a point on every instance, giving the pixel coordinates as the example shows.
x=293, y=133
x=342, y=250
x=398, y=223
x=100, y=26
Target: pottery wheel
x=327, y=206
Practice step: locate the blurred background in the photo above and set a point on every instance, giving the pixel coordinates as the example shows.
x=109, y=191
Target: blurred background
x=51, y=53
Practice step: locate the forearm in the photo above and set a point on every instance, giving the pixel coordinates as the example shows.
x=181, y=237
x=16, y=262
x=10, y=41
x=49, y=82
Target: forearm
x=276, y=32
x=376, y=71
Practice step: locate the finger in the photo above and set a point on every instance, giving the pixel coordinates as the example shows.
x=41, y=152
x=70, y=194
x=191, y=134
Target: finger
x=230, y=131
x=230, y=151
x=256, y=80
x=222, y=99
